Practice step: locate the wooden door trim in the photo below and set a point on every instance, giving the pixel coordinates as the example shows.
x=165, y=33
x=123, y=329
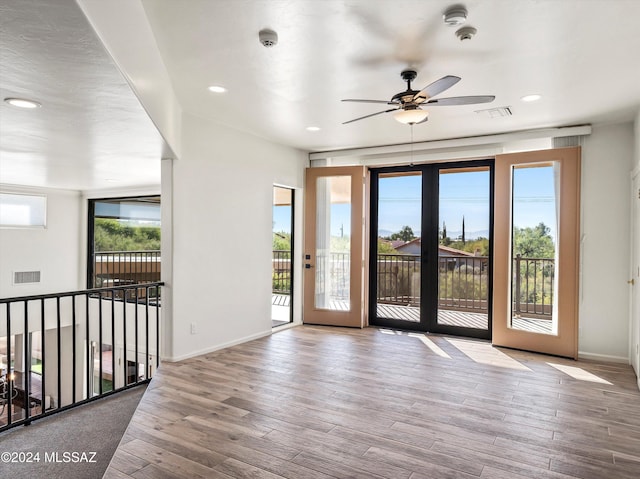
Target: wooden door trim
x=566, y=341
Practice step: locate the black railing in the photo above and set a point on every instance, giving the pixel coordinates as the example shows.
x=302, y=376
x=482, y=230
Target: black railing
x=281, y=278
x=399, y=279
x=463, y=283
x=120, y=268
x=533, y=286
x=65, y=349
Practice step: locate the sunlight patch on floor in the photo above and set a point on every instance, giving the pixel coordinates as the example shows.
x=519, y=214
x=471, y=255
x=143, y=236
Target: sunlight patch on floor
x=430, y=344
x=484, y=353
x=579, y=373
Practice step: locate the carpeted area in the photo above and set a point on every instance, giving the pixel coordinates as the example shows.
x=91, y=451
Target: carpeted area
x=96, y=427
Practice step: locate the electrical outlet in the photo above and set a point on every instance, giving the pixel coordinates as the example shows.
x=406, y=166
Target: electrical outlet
x=193, y=328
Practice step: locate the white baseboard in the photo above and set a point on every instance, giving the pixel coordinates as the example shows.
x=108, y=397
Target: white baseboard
x=217, y=347
x=277, y=329
x=603, y=357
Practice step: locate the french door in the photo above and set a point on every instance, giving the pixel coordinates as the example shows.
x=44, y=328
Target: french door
x=334, y=246
x=430, y=261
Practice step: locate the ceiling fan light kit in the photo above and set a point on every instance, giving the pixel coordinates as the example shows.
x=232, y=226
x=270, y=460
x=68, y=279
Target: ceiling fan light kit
x=411, y=117
x=407, y=103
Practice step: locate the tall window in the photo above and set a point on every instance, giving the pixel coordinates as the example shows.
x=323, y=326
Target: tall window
x=124, y=241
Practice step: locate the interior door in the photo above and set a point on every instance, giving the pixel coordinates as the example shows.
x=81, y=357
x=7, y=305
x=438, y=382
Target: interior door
x=536, y=251
x=334, y=251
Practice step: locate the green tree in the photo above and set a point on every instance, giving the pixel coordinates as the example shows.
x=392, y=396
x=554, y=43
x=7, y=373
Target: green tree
x=112, y=235
x=384, y=247
x=281, y=241
x=405, y=234
x=478, y=245
x=533, y=242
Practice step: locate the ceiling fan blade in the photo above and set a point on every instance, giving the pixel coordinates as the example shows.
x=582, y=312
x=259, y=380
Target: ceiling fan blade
x=436, y=87
x=384, y=102
x=461, y=100
x=368, y=116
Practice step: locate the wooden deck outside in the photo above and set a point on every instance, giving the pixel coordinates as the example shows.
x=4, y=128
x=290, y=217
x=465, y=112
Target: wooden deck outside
x=445, y=316
x=321, y=403
x=462, y=318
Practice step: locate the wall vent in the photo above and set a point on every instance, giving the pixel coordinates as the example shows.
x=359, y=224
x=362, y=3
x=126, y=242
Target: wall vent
x=565, y=141
x=22, y=277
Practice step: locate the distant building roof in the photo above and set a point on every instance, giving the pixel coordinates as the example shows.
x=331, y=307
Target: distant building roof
x=397, y=243
x=414, y=245
x=453, y=251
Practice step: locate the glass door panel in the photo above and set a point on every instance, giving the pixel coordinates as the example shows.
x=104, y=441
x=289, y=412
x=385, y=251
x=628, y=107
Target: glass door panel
x=398, y=246
x=464, y=225
x=333, y=243
x=533, y=248
x=282, y=256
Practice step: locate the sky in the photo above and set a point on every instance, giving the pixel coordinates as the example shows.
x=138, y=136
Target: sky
x=461, y=194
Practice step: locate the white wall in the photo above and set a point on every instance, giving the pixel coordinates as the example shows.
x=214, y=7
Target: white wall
x=222, y=235
x=53, y=250
x=634, y=327
x=607, y=159
x=637, y=140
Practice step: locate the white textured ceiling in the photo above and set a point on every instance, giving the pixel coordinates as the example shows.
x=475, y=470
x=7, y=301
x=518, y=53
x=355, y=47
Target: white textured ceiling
x=581, y=55
x=91, y=132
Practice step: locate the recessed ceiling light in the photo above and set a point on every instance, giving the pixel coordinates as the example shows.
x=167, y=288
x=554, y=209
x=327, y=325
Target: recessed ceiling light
x=534, y=97
x=217, y=89
x=22, y=103
x=313, y=128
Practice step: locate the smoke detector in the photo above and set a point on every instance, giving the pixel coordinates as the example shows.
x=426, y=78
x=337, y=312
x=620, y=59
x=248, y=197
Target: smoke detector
x=267, y=37
x=466, y=33
x=455, y=15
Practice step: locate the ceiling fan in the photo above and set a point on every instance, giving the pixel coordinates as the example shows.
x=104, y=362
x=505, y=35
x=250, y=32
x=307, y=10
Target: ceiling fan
x=407, y=104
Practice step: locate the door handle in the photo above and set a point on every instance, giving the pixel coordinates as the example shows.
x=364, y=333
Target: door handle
x=308, y=266
x=631, y=282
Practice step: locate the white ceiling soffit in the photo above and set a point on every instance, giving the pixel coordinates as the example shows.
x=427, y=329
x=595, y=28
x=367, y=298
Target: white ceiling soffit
x=577, y=54
x=90, y=132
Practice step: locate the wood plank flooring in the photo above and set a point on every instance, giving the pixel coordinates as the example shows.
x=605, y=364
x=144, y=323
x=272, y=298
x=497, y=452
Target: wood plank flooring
x=319, y=402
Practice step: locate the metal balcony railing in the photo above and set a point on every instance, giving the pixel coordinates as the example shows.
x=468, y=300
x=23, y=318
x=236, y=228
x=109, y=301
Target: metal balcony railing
x=120, y=268
x=463, y=283
x=281, y=279
x=60, y=350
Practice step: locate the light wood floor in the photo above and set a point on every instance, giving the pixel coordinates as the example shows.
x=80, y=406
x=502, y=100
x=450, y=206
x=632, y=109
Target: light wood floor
x=320, y=402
